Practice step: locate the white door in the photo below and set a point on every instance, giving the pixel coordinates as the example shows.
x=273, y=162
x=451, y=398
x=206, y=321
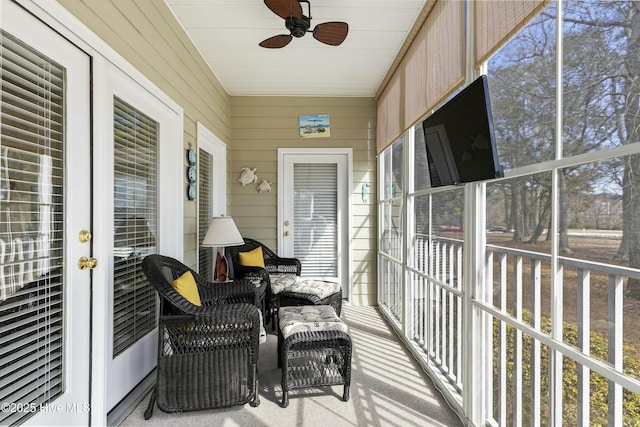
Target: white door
x=45, y=202
x=314, y=211
x=140, y=179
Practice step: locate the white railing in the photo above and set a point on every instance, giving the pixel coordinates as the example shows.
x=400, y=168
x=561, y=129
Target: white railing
x=524, y=376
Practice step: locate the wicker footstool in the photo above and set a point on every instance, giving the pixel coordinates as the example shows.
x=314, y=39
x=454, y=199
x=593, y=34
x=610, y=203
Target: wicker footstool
x=314, y=349
x=300, y=291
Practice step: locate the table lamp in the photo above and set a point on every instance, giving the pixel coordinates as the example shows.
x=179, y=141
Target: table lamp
x=222, y=232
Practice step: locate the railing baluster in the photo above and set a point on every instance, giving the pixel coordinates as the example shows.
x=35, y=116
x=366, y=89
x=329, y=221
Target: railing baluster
x=536, y=318
x=517, y=345
x=615, y=347
x=503, y=341
x=584, y=340
x=488, y=330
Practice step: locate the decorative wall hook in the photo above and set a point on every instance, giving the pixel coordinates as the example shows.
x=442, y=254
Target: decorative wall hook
x=365, y=191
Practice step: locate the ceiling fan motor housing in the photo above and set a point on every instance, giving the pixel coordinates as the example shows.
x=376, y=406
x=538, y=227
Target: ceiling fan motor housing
x=298, y=27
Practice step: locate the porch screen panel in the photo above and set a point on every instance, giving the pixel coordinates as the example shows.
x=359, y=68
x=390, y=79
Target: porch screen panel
x=31, y=229
x=431, y=68
x=205, y=255
x=498, y=21
x=434, y=63
x=315, y=218
x=135, y=223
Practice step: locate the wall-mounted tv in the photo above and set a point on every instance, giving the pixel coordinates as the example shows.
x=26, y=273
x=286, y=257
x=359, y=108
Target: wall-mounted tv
x=459, y=138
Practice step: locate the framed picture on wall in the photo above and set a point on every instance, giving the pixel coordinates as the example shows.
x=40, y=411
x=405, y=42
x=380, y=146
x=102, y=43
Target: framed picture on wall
x=315, y=126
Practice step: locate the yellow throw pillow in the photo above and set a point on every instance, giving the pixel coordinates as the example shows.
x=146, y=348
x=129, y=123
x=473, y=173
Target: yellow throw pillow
x=252, y=258
x=186, y=286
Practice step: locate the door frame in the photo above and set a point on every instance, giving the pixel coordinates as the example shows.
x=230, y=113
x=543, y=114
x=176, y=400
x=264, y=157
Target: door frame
x=209, y=142
x=344, y=206
x=71, y=406
x=170, y=232
x=172, y=182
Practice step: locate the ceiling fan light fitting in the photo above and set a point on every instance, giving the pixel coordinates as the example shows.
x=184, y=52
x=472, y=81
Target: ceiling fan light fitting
x=298, y=27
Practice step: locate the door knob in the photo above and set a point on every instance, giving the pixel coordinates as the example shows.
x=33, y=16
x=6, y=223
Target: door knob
x=84, y=236
x=286, y=233
x=90, y=263
x=286, y=223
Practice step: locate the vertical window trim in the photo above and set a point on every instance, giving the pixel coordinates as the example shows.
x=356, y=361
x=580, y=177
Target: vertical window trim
x=209, y=142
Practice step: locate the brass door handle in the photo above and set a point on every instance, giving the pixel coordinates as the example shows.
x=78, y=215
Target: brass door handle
x=84, y=236
x=90, y=263
x=286, y=233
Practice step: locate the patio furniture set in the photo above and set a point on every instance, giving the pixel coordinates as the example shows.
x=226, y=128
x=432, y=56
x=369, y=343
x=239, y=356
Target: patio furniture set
x=209, y=333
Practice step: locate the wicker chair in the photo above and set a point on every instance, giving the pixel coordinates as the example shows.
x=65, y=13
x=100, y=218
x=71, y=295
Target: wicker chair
x=207, y=355
x=273, y=265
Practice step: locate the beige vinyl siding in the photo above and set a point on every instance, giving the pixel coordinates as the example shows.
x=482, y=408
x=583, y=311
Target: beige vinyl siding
x=261, y=125
x=148, y=36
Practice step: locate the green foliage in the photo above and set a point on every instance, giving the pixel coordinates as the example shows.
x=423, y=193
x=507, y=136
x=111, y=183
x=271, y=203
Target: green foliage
x=598, y=385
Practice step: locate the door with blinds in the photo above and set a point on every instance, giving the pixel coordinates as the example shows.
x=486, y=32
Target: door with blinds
x=45, y=204
x=314, y=211
x=139, y=119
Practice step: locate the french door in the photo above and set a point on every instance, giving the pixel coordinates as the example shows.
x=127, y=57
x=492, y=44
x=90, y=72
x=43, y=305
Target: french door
x=139, y=124
x=45, y=224
x=314, y=211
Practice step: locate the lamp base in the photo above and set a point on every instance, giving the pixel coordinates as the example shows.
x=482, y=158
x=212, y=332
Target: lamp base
x=221, y=270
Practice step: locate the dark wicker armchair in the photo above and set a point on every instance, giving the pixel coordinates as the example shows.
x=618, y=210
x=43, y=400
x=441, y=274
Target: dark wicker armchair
x=207, y=355
x=273, y=265
x=278, y=265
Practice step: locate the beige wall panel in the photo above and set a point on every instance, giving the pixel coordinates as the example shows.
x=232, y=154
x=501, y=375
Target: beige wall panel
x=259, y=135
x=364, y=232
x=365, y=299
x=147, y=35
x=160, y=50
x=261, y=125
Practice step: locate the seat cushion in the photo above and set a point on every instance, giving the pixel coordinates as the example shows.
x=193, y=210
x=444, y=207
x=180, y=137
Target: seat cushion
x=308, y=318
x=320, y=288
x=186, y=286
x=280, y=281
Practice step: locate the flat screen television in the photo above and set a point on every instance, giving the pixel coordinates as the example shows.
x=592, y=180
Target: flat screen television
x=460, y=140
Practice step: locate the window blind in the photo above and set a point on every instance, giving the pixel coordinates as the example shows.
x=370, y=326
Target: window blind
x=497, y=21
x=315, y=218
x=205, y=255
x=31, y=228
x=431, y=68
x=135, y=223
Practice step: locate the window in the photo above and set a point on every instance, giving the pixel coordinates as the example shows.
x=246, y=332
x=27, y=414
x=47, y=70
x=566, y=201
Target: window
x=205, y=255
x=32, y=222
x=135, y=227
x=547, y=258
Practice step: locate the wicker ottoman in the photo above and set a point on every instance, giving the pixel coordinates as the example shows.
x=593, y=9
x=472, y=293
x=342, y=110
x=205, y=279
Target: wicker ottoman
x=314, y=349
x=300, y=291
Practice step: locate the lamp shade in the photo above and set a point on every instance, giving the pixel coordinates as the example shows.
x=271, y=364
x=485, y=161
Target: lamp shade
x=222, y=232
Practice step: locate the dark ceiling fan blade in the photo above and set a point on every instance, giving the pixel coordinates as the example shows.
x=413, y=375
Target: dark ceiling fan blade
x=276, y=42
x=285, y=8
x=332, y=33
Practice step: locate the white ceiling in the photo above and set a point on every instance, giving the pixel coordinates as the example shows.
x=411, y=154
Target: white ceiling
x=227, y=33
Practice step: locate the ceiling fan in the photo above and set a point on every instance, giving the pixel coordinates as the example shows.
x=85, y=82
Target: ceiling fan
x=331, y=33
